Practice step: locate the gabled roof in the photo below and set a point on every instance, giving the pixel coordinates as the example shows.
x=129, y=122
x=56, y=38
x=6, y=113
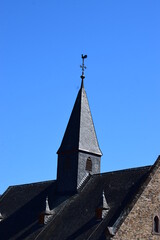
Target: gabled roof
x=80, y=132
x=74, y=217
x=77, y=221
x=20, y=206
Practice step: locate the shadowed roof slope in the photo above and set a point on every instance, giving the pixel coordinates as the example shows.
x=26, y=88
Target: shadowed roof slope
x=80, y=132
x=77, y=221
x=75, y=217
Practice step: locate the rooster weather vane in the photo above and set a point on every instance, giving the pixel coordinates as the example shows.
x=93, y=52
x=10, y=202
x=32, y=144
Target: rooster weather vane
x=83, y=66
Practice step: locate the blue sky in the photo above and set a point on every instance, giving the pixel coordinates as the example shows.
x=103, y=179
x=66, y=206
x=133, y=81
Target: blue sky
x=41, y=42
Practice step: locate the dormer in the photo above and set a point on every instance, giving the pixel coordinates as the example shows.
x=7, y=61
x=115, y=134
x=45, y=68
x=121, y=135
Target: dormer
x=46, y=215
x=1, y=217
x=103, y=208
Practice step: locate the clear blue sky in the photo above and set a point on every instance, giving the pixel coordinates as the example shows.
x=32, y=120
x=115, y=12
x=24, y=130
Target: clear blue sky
x=41, y=42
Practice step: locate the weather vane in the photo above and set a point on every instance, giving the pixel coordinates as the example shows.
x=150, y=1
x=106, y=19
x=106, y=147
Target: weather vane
x=83, y=66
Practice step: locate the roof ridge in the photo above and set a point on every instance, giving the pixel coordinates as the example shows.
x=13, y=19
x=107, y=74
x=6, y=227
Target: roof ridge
x=125, y=170
x=32, y=183
x=4, y=194
x=80, y=113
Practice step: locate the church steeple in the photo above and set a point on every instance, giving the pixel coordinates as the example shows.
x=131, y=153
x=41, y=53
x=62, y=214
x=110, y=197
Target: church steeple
x=80, y=133
x=79, y=144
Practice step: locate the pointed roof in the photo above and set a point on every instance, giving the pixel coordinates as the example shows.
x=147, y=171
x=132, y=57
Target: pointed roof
x=80, y=132
x=1, y=217
x=47, y=210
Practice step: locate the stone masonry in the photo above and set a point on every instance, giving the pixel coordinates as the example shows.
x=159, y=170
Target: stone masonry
x=138, y=225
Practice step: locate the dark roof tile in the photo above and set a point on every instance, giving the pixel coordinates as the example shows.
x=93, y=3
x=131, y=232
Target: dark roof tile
x=75, y=215
x=80, y=132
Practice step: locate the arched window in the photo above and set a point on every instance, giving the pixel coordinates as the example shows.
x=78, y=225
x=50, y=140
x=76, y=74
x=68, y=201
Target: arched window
x=156, y=224
x=89, y=164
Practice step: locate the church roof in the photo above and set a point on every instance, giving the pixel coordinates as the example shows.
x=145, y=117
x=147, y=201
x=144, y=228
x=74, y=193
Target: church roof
x=80, y=132
x=37, y=211
x=74, y=216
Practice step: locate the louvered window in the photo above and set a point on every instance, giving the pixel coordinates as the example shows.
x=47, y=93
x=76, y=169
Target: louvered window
x=89, y=164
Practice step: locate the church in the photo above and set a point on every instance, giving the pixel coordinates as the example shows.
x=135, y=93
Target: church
x=83, y=203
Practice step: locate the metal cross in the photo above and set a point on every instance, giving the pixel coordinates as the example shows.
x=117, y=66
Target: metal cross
x=83, y=66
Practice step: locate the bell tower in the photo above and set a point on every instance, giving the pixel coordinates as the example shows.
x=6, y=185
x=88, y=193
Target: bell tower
x=79, y=153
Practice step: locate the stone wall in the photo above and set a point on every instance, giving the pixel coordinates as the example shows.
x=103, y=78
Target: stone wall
x=138, y=225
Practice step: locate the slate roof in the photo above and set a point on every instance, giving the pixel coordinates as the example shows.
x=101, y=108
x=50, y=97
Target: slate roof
x=74, y=216
x=80, y=132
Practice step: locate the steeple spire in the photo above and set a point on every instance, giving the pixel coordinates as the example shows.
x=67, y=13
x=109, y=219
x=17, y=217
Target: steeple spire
x=80, y=134
x=79, y=152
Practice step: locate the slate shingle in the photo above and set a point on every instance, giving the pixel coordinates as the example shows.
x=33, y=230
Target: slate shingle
x=75, y=218
x=80, y=132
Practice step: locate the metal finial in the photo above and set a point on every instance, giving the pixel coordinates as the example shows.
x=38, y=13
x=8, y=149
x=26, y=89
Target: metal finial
x=83, y=66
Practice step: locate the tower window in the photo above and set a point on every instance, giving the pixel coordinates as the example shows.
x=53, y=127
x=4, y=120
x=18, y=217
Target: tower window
x=89, y=164
x=156, y=225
